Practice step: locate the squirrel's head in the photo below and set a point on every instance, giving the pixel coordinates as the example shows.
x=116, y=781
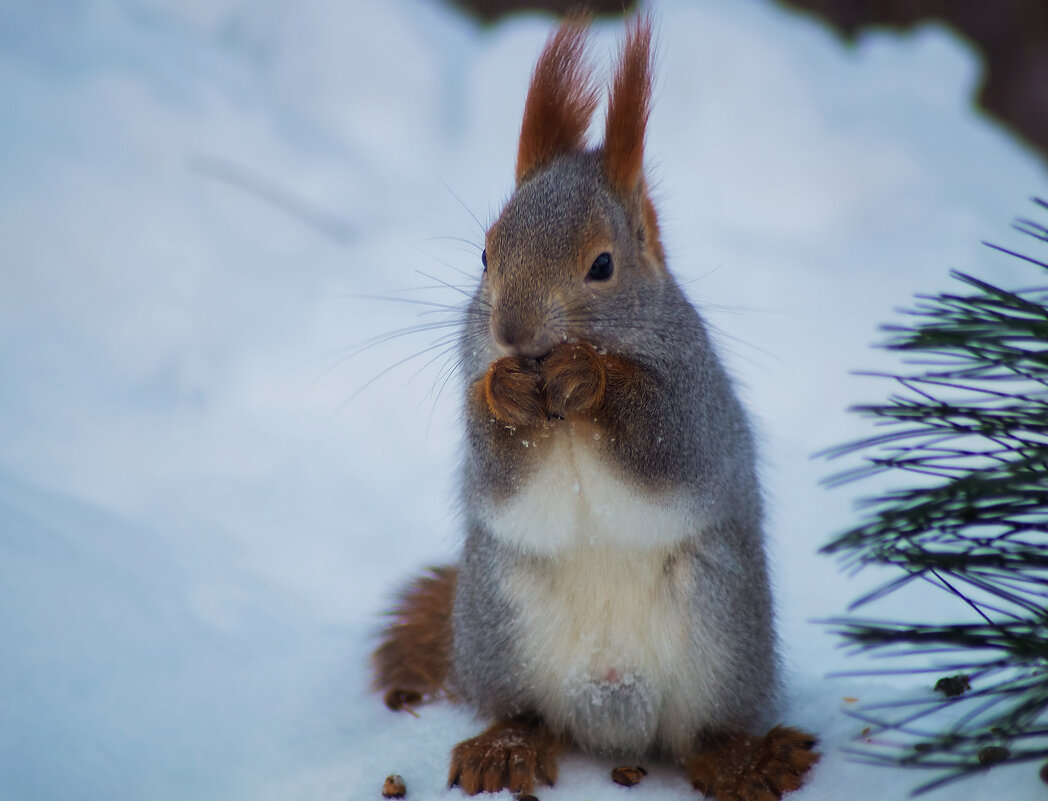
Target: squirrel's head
x=576, y=248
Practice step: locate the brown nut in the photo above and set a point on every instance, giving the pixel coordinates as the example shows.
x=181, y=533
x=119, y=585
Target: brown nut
x=992, y=754
x=628, y=775
x=952, y=686
x=394, y=786
x=397, y=699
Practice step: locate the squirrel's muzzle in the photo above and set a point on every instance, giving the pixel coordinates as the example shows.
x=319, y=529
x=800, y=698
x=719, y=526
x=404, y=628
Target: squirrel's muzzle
x=517, y=335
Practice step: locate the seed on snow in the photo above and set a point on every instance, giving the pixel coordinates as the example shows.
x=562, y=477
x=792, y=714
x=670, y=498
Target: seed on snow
x=628, y=775
x=394, y=787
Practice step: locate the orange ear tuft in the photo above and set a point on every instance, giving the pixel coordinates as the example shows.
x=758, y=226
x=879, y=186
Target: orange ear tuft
x=628, y=107
x=561, y=100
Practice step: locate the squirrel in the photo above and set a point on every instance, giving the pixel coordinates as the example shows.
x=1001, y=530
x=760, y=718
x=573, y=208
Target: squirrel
x=612, y=591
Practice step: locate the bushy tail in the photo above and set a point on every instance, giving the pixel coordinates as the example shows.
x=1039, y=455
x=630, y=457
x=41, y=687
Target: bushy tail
x=413, y=659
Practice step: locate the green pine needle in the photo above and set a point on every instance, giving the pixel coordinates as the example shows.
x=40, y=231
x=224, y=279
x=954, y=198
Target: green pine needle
x=969, y=424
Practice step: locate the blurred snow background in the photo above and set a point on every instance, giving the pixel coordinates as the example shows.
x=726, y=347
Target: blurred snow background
x=204, y=503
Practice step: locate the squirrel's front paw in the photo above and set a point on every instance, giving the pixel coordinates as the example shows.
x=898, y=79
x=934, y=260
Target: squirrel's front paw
x=512, y=390
x=573, y=379
x=510, y=755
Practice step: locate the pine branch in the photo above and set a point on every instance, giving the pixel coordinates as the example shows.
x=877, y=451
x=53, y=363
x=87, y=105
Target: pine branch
x=969, y=427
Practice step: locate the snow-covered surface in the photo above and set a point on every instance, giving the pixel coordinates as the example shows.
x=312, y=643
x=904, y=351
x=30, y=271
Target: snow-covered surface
x=203, y=508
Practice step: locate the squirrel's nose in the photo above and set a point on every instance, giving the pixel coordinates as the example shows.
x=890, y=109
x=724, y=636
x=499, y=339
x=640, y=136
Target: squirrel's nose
x=518, y=338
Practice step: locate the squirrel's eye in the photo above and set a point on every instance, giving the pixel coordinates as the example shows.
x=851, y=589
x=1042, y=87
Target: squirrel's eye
x=484, y=259
x=601, y=269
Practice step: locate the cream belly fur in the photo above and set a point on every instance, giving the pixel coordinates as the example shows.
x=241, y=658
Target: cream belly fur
x=608, y=641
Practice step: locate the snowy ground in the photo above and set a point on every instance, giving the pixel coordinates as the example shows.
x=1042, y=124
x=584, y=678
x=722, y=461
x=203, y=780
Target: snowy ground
x=204, y=503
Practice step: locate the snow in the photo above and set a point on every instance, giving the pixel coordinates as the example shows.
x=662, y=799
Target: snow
x=205, y=501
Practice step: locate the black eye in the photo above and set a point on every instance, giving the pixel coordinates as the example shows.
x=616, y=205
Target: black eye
x=601, y=269
x=484, y=259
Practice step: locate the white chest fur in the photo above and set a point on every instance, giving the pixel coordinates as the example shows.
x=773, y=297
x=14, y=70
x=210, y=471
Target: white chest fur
x=575, y=500
x=609, y=645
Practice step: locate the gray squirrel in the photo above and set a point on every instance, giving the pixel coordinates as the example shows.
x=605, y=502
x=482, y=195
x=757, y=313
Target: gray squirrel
x=612, y=591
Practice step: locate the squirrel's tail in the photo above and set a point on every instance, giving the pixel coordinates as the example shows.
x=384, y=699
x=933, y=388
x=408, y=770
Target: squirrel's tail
x=413, y=659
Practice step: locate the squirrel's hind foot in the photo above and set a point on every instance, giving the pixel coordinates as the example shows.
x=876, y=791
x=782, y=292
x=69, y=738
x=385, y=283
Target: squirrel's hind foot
x=737, y=767
x=510, y=755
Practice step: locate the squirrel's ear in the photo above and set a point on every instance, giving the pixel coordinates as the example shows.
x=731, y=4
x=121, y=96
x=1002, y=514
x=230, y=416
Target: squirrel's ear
x=628, y=106
x=561, y=100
